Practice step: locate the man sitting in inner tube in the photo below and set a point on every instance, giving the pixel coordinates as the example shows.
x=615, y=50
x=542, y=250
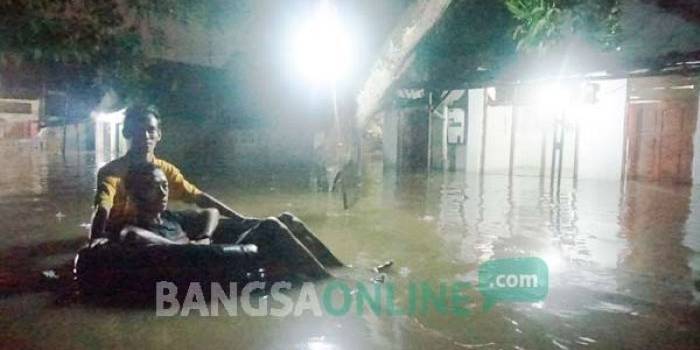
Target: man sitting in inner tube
x=113, y=211
x=142, y=129
x=278, y=248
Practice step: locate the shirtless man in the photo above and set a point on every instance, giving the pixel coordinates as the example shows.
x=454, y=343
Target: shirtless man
x=278, y=248
x=147, y=189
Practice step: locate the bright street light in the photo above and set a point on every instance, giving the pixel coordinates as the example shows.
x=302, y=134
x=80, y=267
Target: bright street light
x=322, y=47
x=554, y=98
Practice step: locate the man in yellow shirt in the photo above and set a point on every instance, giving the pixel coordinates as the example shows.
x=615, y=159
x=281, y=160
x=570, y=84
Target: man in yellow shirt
x=112, y=209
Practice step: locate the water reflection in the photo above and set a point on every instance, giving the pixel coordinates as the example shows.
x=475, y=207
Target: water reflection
x=624, y=263
x=653, y=221
x=24, y=169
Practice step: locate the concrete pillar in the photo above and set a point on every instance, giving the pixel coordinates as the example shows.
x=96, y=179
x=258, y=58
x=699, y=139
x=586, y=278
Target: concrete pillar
x=696, y=148
x=474, y=126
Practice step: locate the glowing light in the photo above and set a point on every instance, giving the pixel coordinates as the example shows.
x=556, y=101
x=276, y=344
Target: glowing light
x=598, y=74
x=555, y=262
x=323, y=48
x=553, y=98
x=319, y=343
x=491, y=92
x=683, y=87
x=109, y=117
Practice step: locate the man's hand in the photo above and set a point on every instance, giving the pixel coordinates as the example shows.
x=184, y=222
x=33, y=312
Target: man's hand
x=99, y=223
x=98, y=241
x=204, y=241
x=202, y=224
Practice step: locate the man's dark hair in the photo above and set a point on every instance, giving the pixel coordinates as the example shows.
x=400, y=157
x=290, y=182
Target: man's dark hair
x=136, y=174
x=137, y=113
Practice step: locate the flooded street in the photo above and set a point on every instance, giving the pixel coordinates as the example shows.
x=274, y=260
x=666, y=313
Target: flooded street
x=624, y=260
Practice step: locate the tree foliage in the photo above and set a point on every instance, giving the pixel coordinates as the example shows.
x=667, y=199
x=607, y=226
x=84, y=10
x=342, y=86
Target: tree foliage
x=471, y=35
x=101, y=40
x=543, y=23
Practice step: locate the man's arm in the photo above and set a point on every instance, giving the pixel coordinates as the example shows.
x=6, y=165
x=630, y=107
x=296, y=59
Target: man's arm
x=99, y=222
x=104, y=198
x=182, y=189
x=137, y=235
x=198, y=224
x=205, y=200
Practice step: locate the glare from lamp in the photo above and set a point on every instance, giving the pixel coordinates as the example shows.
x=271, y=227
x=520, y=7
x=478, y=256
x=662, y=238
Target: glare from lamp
x=555, y=262
x=109, y=117
x=323, y=47
x=553, y=98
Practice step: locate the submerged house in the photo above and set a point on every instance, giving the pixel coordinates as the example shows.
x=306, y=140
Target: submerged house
x=36, y=98
x=19, y=118
x=576, y=113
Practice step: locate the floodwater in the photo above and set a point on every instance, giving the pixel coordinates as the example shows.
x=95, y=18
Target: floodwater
x=624, y=261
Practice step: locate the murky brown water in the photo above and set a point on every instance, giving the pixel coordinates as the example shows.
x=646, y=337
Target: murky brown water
x=624, y=263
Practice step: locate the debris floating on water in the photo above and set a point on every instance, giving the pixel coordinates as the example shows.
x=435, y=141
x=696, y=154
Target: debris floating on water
x=384, y=267
x=379, y=278
x=50, y=274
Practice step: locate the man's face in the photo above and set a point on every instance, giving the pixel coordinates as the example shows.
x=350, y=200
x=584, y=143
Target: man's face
x=144, y=135
x=150, y=193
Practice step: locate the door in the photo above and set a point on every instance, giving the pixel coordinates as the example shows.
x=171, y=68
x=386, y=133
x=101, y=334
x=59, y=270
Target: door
x=661, y=140
x=413, y=139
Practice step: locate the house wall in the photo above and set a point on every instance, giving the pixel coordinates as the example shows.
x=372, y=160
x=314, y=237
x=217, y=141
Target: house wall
x=602, y=131
x=498, y=125
x=600, y=136
x=15, y=124
x=497, y=129
x=533, y=137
